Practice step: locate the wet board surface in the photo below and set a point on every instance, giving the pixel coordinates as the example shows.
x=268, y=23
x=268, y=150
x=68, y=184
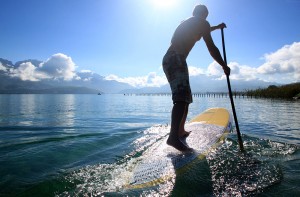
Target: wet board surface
x=161, y=161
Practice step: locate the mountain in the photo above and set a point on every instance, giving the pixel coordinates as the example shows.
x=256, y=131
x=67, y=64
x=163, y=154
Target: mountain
x=87, y=82
x=92, y=81
x=203, y=83
x=148, y=90
x=5, y=65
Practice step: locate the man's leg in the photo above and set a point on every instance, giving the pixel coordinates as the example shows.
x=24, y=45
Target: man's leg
x=178, y=113
x=182, y=132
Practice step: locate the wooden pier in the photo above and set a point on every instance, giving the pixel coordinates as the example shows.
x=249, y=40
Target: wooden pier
x=207, y=94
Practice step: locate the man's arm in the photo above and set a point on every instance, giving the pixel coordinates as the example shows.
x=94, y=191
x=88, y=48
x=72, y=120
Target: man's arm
x=214, y=52
x=220, y=26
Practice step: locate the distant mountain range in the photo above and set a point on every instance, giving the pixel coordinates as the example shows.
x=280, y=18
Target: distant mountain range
x=86, y=83
x=92, y=83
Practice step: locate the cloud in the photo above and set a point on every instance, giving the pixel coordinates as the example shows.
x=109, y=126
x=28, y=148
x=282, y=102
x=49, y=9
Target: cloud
x=214, y=69
x=238, y=72
x=2, y=68
x=150, y=80
x=28, y=72
x=194, y=71
x=86, y=71
x=242, y=72
x=284, y=63
x=281, y=66
x=59, y=66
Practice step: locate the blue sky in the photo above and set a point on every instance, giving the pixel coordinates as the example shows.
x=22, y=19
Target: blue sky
x=125, y=40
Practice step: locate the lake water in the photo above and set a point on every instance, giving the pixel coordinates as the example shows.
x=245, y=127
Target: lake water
x=86, y=145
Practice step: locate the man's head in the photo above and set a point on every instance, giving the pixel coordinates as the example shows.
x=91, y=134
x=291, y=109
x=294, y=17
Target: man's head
x=200, y=11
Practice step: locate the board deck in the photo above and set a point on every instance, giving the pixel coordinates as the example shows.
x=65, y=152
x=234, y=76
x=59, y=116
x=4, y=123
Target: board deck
x=160, y=161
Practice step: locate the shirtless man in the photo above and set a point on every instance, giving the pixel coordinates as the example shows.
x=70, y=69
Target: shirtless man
x=175, y=67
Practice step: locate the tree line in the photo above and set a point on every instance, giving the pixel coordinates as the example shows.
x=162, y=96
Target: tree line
x=288, y=91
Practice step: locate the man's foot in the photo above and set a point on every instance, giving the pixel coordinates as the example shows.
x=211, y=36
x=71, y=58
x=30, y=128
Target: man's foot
x=176, y=143
x=184, y=134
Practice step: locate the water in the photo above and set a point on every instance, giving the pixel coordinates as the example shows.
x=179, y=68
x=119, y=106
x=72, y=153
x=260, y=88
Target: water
x=87, y=145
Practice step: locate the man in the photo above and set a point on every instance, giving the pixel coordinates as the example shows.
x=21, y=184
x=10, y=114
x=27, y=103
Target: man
x=184, y=38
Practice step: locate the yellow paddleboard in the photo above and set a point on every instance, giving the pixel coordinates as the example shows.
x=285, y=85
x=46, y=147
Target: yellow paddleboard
x=160, y=162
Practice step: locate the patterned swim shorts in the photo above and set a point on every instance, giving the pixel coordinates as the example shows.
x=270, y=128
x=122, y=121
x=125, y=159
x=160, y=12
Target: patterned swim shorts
x=176, y=70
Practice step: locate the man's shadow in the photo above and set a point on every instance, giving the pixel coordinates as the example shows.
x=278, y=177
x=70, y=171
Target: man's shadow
x=192, y=178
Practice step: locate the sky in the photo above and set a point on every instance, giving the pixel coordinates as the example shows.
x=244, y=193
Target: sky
x=125, y=40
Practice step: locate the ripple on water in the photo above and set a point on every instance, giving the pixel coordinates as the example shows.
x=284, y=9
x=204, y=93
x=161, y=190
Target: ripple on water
x=226, y=171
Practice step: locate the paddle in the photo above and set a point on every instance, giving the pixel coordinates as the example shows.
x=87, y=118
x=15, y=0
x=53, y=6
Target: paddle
x=231, y=98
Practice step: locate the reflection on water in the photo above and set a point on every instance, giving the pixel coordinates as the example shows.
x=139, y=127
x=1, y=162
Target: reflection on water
x=65, y=110
x=38, y=110
x=27, y=109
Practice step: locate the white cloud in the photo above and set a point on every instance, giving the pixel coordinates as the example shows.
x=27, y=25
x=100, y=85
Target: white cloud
x=282, y=66
x=214, y=69
x=150, y=80
x=238, y=72
x=86, y=71
x=59, y=66
x=194, y=71
x=284, y=63
x=2, y=68
x=242, y=72
x=113, y=77
x=28, y=72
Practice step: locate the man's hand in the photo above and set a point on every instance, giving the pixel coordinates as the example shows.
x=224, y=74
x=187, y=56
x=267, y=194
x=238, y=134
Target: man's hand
x=226, y=70
x=221, y=26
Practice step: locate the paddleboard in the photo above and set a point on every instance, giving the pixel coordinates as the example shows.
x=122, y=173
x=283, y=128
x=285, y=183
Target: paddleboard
x=161, y=162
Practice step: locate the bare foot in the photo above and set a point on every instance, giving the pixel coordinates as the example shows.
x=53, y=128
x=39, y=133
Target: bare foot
x=184, y=134
x=176, y=143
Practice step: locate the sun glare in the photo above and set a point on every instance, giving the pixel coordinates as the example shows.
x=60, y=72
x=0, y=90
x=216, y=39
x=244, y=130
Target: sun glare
x=163, y=3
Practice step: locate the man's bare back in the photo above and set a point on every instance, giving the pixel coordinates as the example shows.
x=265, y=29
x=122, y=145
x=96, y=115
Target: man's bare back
x=187, y=34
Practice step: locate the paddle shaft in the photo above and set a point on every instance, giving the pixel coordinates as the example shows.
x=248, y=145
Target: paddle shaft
x=231, y=98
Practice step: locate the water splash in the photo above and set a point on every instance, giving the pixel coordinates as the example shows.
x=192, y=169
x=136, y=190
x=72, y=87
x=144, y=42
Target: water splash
x=250, y=173
x=224, y=172
x=101, y=179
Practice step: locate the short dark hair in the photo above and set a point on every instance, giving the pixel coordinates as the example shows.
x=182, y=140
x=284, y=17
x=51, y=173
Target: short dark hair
x=200, y=10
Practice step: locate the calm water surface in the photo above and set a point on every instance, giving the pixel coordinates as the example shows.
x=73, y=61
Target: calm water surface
x=87, y=145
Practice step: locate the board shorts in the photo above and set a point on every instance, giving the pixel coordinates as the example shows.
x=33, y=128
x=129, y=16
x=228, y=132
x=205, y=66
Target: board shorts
x=176, y=70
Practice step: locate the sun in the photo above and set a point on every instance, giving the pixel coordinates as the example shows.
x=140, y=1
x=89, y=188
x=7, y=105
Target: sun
x=163, y=3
